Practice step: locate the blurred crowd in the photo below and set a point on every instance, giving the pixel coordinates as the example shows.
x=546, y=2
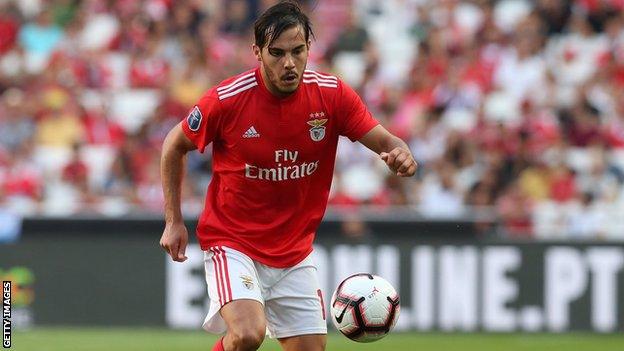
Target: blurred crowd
x=513, y=108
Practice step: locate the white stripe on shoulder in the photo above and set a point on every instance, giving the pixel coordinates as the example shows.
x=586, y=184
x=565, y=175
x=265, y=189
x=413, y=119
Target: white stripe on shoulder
x=311, y=76
x=240, y=89
x=237, y=85
x=320, y=84
x=236, y=81
x=320, y=75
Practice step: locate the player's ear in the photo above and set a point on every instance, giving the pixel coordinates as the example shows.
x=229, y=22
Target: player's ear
x=257, y=52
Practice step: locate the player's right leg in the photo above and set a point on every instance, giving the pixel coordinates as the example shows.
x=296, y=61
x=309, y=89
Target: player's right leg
x=236, y=303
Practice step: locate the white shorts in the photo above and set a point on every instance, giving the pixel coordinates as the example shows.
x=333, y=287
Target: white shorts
x=292, y=298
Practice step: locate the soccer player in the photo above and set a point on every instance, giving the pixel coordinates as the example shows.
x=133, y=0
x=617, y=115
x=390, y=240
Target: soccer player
x=274, y=132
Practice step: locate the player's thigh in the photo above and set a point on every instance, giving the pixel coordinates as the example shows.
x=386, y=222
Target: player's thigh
x=231, y=277
x=244, y=317
x=313, y=342
x=294, y=305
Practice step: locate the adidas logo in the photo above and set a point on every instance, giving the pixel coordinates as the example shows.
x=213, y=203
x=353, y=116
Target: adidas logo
x=251, y=133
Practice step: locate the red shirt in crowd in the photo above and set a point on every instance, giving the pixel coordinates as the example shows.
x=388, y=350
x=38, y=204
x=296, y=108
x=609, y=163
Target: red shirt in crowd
x=273, y=161
x=8, y=33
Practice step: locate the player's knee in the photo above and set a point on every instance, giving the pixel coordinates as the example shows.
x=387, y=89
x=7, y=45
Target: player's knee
x=248, y=338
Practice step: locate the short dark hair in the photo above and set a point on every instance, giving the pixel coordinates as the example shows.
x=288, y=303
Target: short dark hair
x=278, y=18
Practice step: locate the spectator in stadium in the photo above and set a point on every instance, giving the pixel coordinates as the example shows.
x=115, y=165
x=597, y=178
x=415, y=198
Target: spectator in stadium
x=39, y=39
x=75, y=172
x=9, y=27
x=554, y=14
x=353, y=38
x=21, y=181
x=272, y=175
x=514, y=209
x=17, y=127
x=355, y=230
x=60, y=127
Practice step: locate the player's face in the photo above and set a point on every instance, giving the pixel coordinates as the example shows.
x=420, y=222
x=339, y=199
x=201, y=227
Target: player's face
x=283, y=61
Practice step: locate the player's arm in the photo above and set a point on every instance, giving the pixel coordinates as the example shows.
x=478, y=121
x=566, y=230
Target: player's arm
x=172, y=164
x=391, y=149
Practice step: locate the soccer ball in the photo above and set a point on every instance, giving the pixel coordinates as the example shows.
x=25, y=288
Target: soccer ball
x=365, y=307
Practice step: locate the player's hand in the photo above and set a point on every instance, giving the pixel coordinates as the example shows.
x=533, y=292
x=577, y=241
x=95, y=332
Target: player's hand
x=400, y=161
x=174, y=240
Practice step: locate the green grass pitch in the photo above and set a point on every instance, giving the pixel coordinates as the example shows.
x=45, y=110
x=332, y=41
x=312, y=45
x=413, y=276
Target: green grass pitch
x=139, y=339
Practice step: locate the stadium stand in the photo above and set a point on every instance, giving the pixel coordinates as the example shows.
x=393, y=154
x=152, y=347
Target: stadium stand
x=512, y=107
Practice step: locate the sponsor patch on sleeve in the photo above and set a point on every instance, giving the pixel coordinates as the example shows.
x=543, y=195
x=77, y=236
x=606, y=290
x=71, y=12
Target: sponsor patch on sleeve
x=194, y=119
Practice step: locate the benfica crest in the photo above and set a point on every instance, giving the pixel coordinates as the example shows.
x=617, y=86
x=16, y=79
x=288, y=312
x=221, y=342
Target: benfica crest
x=247, y=281
x=317, y=132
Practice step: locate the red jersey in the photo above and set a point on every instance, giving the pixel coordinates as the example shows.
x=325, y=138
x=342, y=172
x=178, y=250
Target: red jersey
x=273, y=161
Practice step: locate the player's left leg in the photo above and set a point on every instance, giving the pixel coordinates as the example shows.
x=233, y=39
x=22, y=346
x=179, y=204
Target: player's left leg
x=314, y=342
x=294, y=306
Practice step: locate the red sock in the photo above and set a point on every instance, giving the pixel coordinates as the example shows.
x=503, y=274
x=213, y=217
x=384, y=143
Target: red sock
x=218, y=345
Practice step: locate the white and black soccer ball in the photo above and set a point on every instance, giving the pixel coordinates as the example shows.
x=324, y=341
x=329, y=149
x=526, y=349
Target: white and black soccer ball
x=365, y=307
